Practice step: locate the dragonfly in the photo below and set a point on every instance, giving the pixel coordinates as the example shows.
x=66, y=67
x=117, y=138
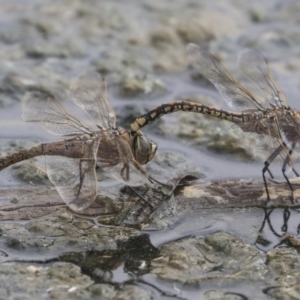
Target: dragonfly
x=71, y=163
x=275, y=126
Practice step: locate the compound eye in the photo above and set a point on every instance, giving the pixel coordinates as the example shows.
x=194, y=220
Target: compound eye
x=152, y=151
x=144, y=149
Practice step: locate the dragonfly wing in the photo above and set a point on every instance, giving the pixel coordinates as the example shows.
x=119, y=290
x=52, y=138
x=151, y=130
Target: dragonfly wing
x=115, y=157
x=45, y=110
x=128, y=172
x=89, y=92
x=75, y=178
x=289, y=132
x=232, y=92
x=260, y=137
x=256, y=68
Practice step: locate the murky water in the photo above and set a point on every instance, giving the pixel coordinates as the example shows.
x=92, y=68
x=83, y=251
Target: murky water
x=209, y=253
x=242, y=223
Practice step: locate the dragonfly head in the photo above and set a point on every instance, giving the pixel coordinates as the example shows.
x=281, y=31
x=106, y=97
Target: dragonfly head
x=143, y=149
x=296, y=116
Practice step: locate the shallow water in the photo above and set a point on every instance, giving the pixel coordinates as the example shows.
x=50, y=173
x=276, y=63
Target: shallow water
x=242, y=223
x=45, y=45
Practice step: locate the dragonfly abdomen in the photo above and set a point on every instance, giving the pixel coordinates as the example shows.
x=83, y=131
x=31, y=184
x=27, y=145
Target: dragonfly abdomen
x=21, y=155
x=186, y=106
x=73, y=148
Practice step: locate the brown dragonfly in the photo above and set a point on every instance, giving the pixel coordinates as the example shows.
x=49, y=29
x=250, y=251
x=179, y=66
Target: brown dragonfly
x=276, y=127
x=71, y=163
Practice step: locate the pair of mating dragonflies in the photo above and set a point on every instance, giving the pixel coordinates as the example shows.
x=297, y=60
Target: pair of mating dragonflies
x=71, y=163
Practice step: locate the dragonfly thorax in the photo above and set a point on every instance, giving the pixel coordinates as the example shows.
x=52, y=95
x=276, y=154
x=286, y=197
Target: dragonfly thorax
x=295, y=119
x=116, y=131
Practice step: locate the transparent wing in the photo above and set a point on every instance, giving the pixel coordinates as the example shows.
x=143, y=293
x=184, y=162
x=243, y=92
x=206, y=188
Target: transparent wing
x=115, y=157
x=89, y=92
x=261, y=138
x=75, y=178
x=289, y=132
x=128, y=172
x=232, y=92
x=256, y=68
x=45, y=110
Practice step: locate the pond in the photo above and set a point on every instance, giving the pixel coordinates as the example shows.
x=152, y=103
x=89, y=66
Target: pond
x=209, y=234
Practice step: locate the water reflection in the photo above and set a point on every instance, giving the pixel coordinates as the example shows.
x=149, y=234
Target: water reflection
x=129, y=262
x=134, y=255
x=274, y=233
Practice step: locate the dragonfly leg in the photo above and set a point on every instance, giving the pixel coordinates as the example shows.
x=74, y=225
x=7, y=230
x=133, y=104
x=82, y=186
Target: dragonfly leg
x=82, y=172
x=288, y=160
x=267, y=163
x=125, y=168
x=295, y=172
x=270, y=173
x=289, y=184
x=81, y=176
x=155, y=180
x=140, y=196
x=266, y=167
x=290, y=154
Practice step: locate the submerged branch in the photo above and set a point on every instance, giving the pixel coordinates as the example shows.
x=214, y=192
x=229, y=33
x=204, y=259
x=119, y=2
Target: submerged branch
x=25, y=203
